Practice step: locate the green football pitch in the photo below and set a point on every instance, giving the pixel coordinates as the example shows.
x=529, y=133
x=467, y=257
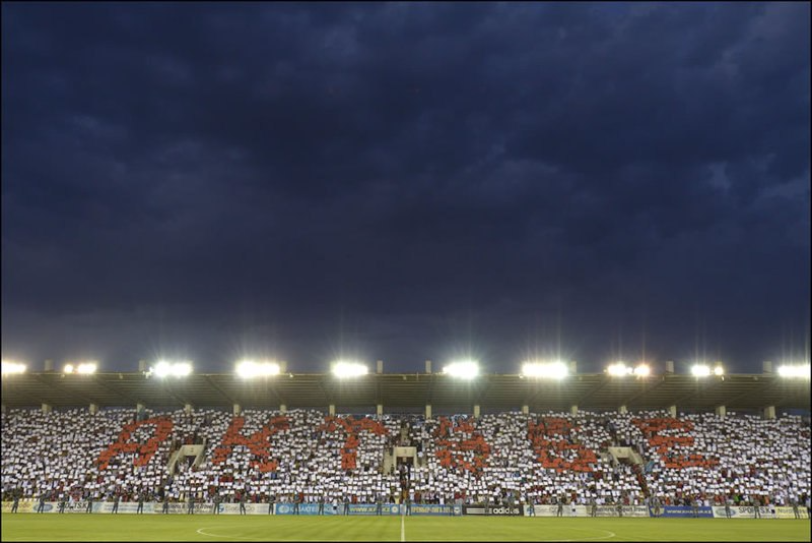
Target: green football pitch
x=78, y=527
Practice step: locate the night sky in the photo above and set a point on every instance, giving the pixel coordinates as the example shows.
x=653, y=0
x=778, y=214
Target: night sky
x=406, y=182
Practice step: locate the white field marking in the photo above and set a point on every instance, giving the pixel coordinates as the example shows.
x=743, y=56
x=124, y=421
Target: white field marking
x=202, y=531
x=449, y=540
x=83, y=539
x=209, y=534
x=610, y=536
x=715, y=539
x=686, y=540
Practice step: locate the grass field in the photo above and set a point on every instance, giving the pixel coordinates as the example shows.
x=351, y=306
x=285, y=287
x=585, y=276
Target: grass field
x=31, y=527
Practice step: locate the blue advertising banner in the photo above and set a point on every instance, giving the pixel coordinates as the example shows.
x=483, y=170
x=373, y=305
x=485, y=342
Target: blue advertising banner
x=305, y=509
x=673, y=511
x=747, y=511
x=435, y=510
x=370, y=509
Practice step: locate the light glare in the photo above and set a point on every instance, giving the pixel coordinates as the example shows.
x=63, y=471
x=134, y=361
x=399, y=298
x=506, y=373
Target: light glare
x=619, y=369
x=642, y=370
x=8, y=367
x=463, y=369
x=172, y=369
x=700, y=370
x=84, y=368
x=794, y=371
x=344, y=369
x=545, y=370
x=248, y=369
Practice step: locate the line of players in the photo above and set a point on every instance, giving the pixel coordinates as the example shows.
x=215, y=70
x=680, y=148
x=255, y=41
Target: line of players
x=405, y=484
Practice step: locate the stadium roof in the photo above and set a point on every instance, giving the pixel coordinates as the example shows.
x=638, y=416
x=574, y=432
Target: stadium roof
x=406, y=391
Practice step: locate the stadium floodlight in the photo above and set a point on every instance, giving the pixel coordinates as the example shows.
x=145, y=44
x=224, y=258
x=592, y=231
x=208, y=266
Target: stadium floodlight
x=7, y=367
x=250, y=368
x=546, y=370
x=462, y=369
x=344, y=369
x=701, y=370
x=718, y=370
x=83, y=368
x=619, y=369
x=794, y=371
x=642, y=370
x=172, y=369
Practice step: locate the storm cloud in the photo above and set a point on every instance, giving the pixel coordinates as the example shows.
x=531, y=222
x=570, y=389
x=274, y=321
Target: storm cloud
x=406, y=181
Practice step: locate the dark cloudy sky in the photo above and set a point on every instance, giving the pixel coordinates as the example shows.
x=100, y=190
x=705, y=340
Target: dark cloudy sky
x=405, y=182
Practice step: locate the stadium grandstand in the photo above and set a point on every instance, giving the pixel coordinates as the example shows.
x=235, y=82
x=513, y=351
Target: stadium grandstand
x=617, y=443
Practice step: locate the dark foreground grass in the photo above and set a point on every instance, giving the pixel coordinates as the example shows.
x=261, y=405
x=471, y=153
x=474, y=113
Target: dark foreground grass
x=50, y=527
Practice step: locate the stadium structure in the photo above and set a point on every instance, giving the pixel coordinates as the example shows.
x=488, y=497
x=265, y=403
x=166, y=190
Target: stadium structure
x=547, y=442
x=427, y=391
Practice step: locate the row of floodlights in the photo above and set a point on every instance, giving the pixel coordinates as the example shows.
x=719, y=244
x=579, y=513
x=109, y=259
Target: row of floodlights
x=164, y=368
x=797, y=372
x=620, y=369
x=461, y=369
x=703, y=370
x=82, y=368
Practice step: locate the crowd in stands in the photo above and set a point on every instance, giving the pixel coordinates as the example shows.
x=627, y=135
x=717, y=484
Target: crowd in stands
x=300, y=455
x=541, y=458
x=63, y=454
x=307, y=456
x=743, y=459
